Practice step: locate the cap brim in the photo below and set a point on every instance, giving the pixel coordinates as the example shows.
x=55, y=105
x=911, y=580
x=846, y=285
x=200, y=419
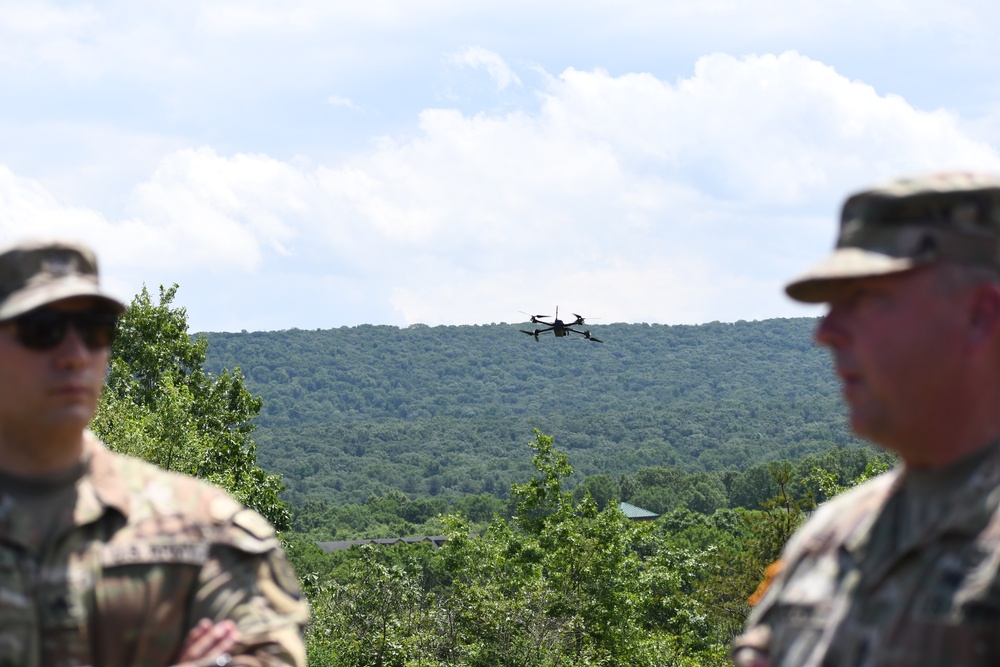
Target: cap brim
x=821, y=282
x=35, y=296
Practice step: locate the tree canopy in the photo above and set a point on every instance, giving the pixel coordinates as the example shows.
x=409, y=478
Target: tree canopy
x=161, y=405
x=439, y=411
x=732, y=450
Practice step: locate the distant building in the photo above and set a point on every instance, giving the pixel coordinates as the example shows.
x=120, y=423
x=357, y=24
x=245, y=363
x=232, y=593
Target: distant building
x=343, y=545
x=636, y=513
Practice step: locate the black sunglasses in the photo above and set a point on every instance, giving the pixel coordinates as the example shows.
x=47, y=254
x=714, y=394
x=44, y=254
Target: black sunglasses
x=45, y=329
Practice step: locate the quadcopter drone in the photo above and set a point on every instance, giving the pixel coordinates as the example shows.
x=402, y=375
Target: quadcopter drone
x=558, y=327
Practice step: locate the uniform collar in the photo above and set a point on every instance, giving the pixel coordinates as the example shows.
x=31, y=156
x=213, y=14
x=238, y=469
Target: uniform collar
x=103, y=487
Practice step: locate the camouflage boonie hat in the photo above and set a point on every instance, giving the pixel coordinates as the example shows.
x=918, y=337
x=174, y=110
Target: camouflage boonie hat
x=36, y=273
x=909, y=223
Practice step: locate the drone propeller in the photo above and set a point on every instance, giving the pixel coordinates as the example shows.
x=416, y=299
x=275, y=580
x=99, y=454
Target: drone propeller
x=535, y=319
x=586, y=334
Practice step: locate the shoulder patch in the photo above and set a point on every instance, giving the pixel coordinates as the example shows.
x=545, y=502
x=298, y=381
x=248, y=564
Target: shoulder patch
x=249, y=532
x=223, y=508
x=254, y=524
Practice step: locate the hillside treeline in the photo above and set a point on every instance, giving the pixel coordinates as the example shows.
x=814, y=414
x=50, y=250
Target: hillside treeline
x=659, y=489
x=545, y=574
x=442, y=412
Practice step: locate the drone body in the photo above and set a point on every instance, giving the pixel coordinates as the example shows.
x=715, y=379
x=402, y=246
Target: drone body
x=559, y=328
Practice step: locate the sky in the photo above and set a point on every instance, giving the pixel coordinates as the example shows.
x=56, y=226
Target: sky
x=310, y=164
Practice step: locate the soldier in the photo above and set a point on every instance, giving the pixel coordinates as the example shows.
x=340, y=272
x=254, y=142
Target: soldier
x=905, y=569
x=106, y=560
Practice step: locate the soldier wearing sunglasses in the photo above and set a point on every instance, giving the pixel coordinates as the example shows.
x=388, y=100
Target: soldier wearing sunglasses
x=107, y=560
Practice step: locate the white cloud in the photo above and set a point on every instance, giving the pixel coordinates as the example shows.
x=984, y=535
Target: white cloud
x=223, y=212
x=629, y=176
x=337, y=101
x=626, y=197
x=27, y=208
x=762, y=128
x=197, y=210
x=499, y=71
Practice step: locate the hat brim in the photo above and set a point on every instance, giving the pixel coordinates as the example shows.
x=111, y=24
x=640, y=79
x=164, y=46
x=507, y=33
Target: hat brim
x=35, y=296
x=822, y=281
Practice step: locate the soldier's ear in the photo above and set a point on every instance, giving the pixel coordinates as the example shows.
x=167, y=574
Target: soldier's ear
x=984, y=314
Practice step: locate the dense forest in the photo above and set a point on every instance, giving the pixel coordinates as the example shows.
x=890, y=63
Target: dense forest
x=730, y=432
x=444, y=412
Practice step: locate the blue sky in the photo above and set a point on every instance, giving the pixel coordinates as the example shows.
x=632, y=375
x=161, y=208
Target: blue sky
x=304, y=164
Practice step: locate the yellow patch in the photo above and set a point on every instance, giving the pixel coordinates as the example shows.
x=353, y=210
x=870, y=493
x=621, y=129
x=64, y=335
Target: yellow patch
x=770, y=572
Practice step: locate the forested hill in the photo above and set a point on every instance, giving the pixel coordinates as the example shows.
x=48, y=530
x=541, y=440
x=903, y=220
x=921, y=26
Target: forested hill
x=449, y=410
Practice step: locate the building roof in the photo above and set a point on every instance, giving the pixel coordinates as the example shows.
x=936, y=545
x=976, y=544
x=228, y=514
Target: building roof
x=633, y=512
x=436, y=540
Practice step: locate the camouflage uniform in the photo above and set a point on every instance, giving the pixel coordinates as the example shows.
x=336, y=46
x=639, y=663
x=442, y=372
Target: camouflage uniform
x=137, y=558
x=857, y=588
x=893, y=573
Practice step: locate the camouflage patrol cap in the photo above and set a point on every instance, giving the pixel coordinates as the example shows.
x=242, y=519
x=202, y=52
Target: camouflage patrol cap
x=909, y=223
x=36, y=273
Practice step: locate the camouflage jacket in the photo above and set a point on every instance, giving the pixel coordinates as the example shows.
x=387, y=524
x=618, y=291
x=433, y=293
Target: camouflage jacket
x=142, y=556
x=851, y=593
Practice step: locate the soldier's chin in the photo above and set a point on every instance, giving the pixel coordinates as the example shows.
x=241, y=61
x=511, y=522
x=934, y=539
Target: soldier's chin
x=71, y=415
x=868, y=432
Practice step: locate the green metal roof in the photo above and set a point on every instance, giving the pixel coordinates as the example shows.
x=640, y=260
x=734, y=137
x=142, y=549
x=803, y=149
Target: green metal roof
x=633, y=512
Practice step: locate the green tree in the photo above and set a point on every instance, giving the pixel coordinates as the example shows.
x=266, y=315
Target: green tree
x=706, y=494
x=160, y=405
x=828, y=482
x=754, y=487
x=479, y=508
x=558, y=585
x=373, y=619
x=541, y=499
x=602, y=488
x=740, y=566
